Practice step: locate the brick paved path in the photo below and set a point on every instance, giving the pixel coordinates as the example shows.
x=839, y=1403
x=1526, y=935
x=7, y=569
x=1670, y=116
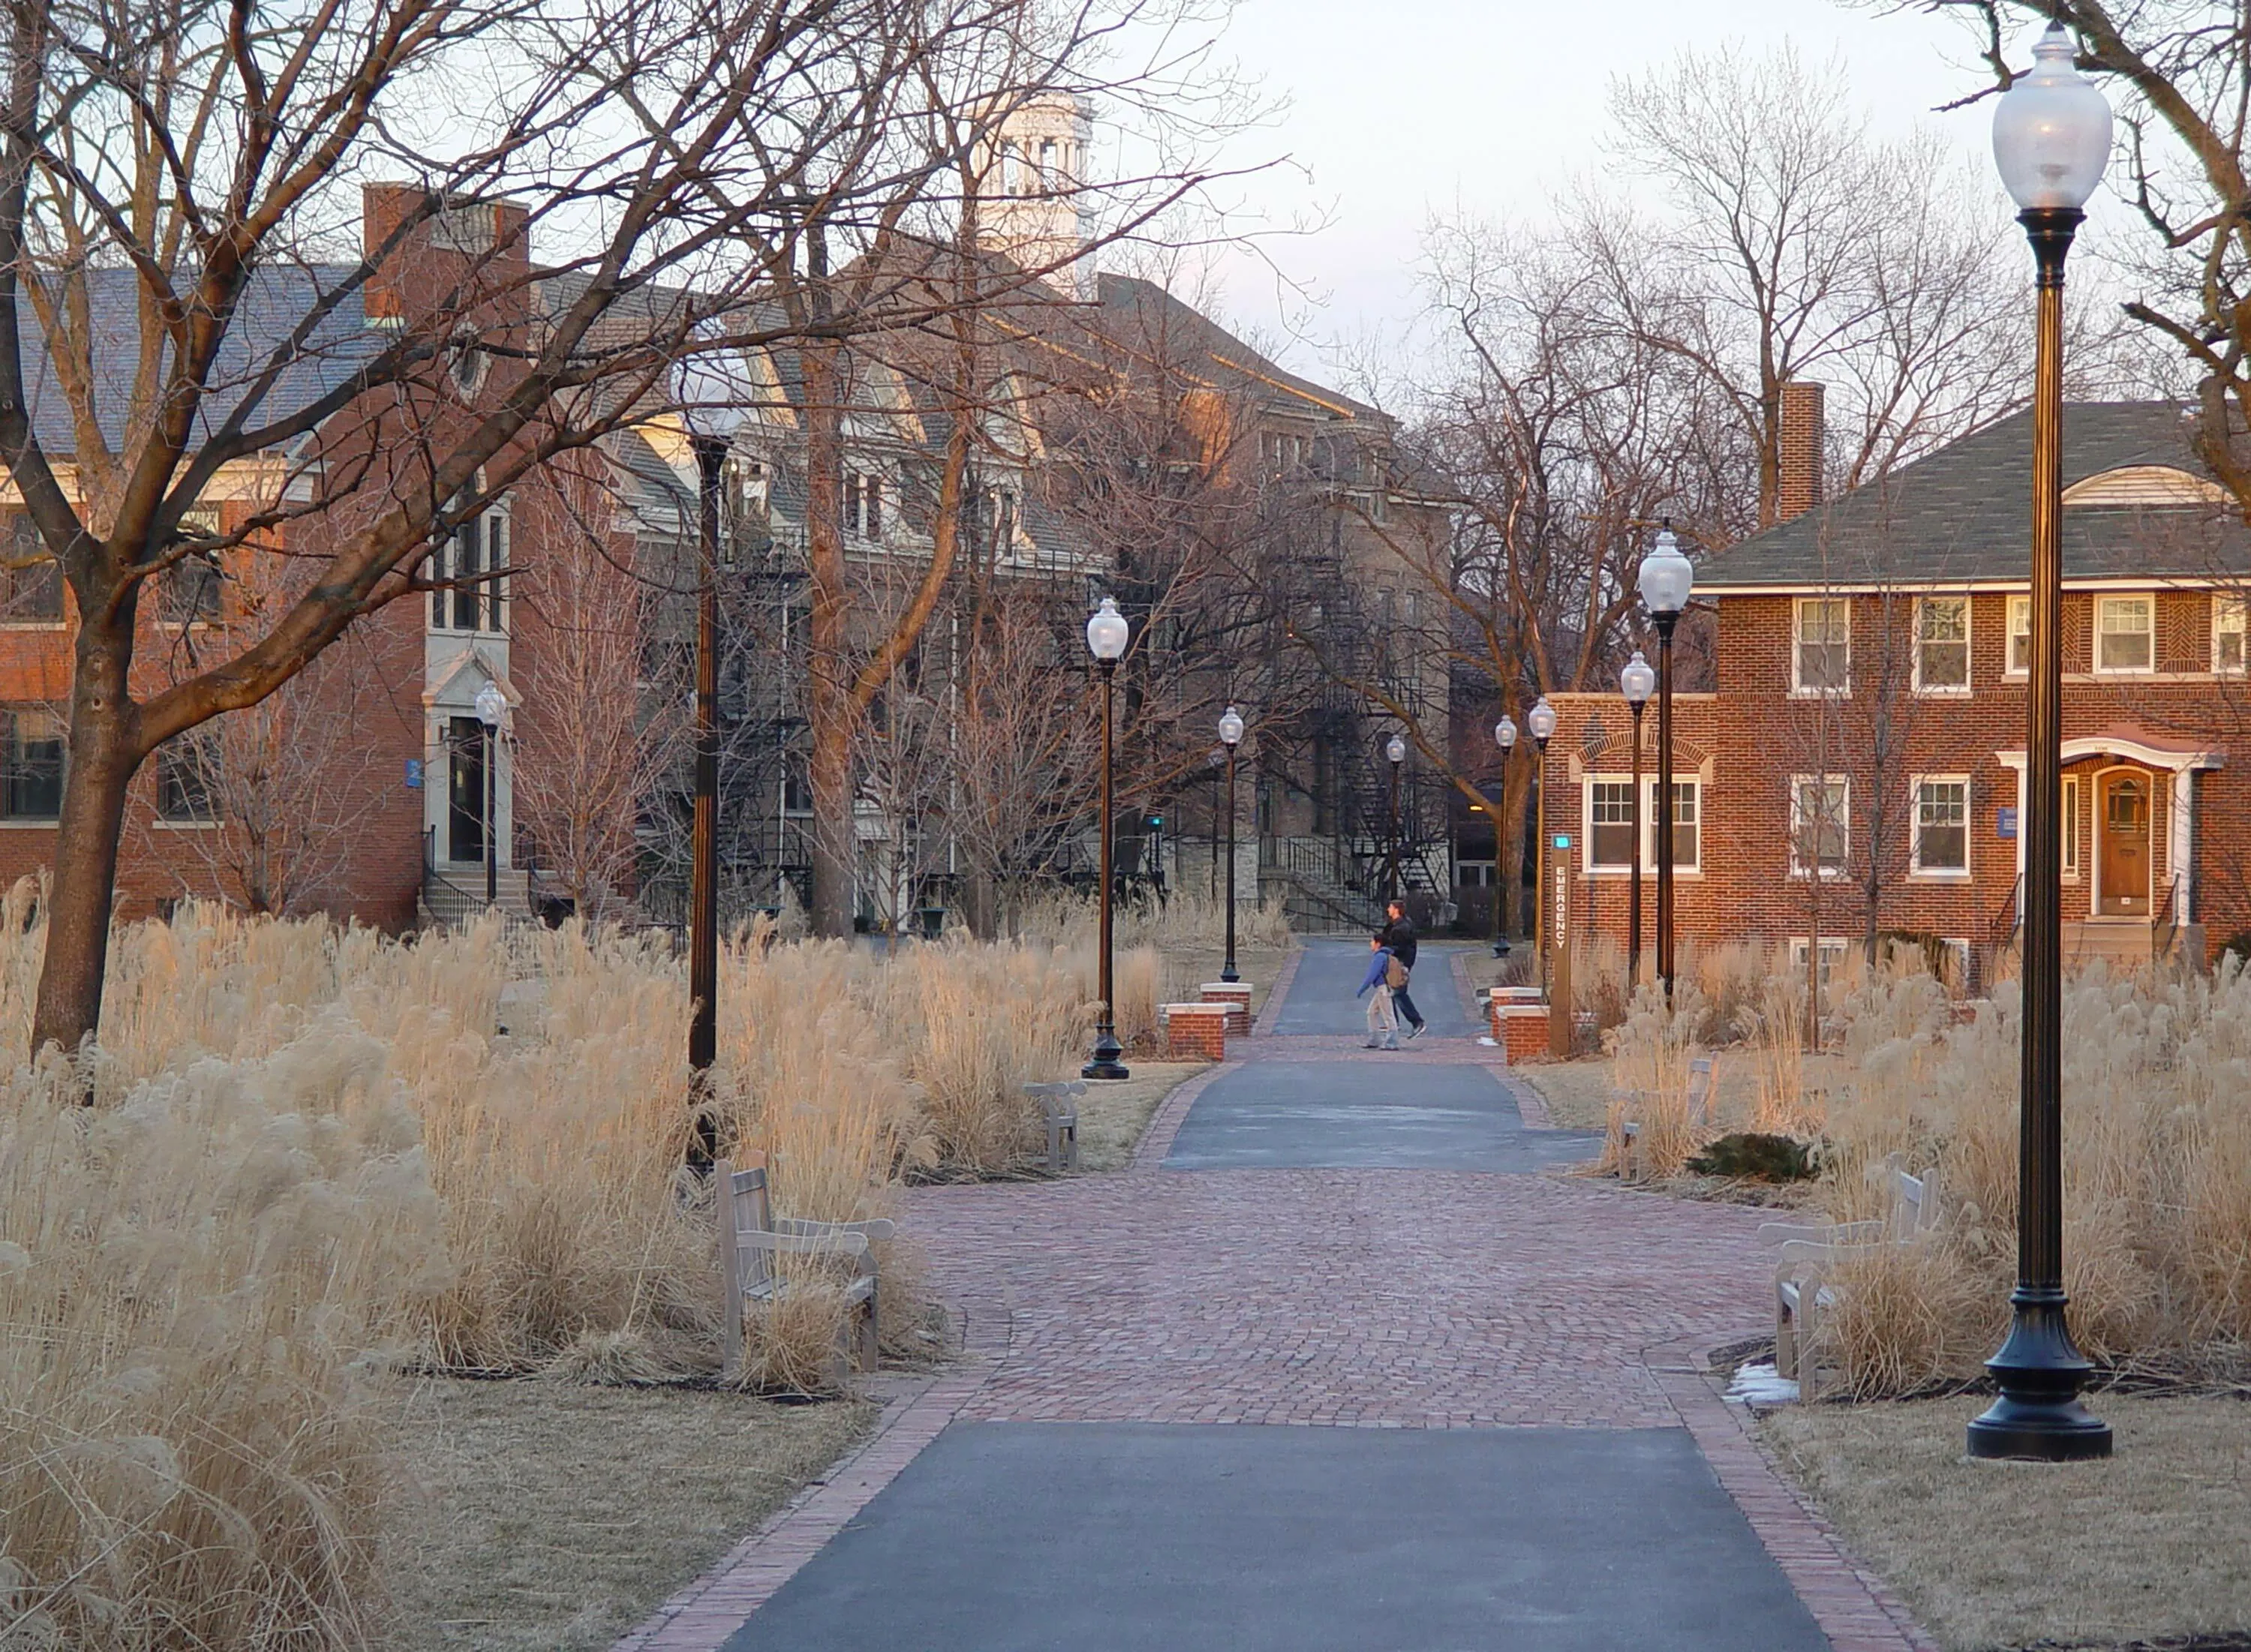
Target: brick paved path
x=1359, y=1297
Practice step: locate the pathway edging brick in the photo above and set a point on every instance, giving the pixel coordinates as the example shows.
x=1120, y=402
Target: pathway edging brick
x=1270, y=1014
x=1851, y=1605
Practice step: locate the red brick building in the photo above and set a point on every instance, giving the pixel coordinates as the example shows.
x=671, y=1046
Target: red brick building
x=1859, y=768
x=360, y=788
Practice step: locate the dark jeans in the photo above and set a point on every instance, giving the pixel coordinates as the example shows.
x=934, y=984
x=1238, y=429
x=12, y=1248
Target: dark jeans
x=1405, y=1006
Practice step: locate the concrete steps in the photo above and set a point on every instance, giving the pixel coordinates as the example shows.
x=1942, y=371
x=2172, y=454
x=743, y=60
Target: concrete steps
x=455, y=896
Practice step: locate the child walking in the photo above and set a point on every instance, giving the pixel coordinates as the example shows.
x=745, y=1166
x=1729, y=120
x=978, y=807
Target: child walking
x=1382, y=1022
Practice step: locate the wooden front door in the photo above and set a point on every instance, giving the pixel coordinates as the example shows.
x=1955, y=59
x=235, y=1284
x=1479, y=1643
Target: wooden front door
x=465, y=791
x=2122, y=834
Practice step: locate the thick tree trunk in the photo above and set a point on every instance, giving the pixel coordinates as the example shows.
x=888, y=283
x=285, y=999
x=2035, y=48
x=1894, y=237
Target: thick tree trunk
x=828, y=702
x=104, y=754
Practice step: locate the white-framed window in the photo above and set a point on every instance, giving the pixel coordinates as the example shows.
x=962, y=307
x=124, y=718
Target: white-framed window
x=33, y=789
x=2126, y=633
x=467, y=563
x=1688, y=813
x=2020, y=635
x=1608, y=822
x=1940, y=846
x=1832, y=954
x=187, y=779
x=1821, y=657
x=2229, y=615
x=31, y=580
x=1820, y=831
x=863, y=505
x=1953, y=964
x=1942, y=644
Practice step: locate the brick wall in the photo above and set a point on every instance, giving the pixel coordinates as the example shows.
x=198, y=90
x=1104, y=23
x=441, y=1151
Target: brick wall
x=1746, y=741
x=1197, y=1032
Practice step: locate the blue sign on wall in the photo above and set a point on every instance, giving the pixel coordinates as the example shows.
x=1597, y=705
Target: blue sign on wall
x=2004, y=822
x=414, y=774
x=1562, y=839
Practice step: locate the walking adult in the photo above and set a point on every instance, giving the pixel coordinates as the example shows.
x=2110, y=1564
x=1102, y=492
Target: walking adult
x=1399, y=940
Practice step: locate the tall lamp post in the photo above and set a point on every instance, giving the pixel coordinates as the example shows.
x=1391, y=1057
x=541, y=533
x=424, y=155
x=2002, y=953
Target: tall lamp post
x=1504, y=736
x=1215, y=760
x=491, y=707
x=712, y=402
x=1106, y=636
x=1667, y=579
x=1231, y=736
x=1540, y=724
x=1636, y=683
x=2051, y=141
x=1396, y=749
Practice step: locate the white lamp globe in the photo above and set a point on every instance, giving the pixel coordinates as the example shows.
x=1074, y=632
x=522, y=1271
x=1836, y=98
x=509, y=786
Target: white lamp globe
x=1638, y=681
x=713, y=393
x=1230, y=727
x=1397, y=750
x=1504, y=733
x=1666, y=577
x=2051, y=131
x=491, y=705
x=1107, y=631
x=1539, y=721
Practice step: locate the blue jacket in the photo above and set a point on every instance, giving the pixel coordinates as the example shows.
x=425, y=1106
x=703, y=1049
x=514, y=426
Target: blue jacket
x=1378, y=962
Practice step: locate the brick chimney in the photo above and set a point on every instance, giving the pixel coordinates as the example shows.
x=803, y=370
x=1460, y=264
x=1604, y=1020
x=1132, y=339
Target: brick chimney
x=485, y=244
x=1798, y=485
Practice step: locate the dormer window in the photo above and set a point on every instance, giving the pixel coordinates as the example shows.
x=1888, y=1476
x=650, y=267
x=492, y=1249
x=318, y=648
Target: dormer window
x=863, y=505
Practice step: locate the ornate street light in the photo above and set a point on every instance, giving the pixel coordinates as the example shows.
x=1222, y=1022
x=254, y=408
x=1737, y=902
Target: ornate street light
x=491, y=707
x=1396, y=749
x=713, y=401
x=1504, y=736
x=1667, y=579
x=1107, y=634
x=1636, y=683
x=2051, y=141
x=1540, y=724
x=1231, y=736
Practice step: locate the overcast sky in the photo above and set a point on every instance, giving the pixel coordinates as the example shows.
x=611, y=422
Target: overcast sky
x=1402, y=109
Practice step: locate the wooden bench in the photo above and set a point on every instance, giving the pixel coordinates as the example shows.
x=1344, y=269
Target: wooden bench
x=1802, y=1291
x=1700, y=1108
x=751, y=1237
x=1059, y=1102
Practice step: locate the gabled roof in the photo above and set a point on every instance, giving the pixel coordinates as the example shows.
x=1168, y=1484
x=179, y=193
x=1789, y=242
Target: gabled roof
x=1962, y=515
x=275, y=302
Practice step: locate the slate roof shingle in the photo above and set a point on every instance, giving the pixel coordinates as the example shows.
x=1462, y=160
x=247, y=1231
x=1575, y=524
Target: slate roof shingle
x=1962, y=515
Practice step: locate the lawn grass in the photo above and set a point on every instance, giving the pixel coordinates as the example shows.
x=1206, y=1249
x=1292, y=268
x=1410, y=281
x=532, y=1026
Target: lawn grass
x=1577, y=1093
x=539, y=1516
x=1188, y=965
x=2149, y=1543
x=1112, y=1116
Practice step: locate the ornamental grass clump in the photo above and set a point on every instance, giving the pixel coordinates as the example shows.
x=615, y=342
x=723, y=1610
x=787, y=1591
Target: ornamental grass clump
x=1651, y=1053
x=2156, y=1175
x=195, y=1282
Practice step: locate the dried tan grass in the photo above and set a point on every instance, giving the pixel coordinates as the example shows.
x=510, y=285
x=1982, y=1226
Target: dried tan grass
x=2156, y=1172
x=1650, y=1056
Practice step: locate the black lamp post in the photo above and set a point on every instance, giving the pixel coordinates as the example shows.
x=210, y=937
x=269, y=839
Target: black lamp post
x=1216, y=760
x=1396, y=749
x=1636, y=683
x=1504, y=736
x=2052, y=140
x=1106, y=635
x=1667, y=578
x=1540, y=722
x=712, y=400
x=491, y=707
x=1231, y=736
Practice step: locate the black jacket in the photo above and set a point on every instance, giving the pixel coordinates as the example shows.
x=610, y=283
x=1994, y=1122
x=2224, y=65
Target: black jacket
x=1400, y=937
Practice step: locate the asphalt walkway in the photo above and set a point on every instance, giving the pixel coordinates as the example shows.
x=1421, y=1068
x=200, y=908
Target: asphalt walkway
x=1345, y=1362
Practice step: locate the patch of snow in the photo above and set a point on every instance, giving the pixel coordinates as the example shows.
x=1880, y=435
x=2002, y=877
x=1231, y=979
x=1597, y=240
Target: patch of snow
x=1759, y=1386
x=1490, y=1043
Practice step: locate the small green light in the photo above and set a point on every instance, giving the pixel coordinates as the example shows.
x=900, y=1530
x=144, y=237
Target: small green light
x=1562, y=839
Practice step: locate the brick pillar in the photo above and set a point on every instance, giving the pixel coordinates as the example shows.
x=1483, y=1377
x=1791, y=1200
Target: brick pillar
x=1237, y=996
x=1197, y=1032
x=1798, y=486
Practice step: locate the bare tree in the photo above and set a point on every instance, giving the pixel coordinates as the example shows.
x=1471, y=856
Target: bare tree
x=187, y=165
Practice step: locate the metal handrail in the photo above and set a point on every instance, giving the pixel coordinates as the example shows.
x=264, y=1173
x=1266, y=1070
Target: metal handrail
x=2163, y=936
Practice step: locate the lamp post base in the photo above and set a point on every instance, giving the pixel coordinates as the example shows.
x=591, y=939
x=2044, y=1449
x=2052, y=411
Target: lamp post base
x=1106, y=1063
x=2039, y=1418
x=1229, y=975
